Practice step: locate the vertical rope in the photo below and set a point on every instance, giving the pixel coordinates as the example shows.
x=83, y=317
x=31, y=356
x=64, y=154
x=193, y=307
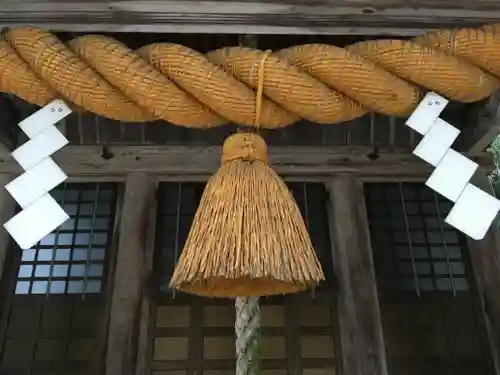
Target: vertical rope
x=247, y=335
x=260, y=89
x=247, y=322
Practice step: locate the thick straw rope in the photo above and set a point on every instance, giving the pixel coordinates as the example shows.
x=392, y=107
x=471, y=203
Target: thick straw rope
x=321, y=83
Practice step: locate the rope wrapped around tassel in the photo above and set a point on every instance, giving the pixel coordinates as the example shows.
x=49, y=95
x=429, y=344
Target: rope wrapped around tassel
x=317, y=82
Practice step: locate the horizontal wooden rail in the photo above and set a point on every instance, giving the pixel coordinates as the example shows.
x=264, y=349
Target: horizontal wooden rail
x=364, y=17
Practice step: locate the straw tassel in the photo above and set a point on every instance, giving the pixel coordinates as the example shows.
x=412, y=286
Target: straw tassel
x=248, y=237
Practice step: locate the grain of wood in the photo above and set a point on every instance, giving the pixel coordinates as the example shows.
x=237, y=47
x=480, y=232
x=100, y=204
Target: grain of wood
x=130, y=276
x=359, y=313
x=383, y=17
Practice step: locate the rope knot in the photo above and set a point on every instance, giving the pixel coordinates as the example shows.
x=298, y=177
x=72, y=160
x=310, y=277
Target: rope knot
x=244, y=146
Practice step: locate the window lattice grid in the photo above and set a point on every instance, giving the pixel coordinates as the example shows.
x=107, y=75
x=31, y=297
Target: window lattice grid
x=419, y=249
x=178, y=204
x=430, y=326
x=71, y=260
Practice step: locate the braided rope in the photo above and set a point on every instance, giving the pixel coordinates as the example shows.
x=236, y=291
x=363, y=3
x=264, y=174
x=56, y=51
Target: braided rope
x=317, y=82
x=246, y=328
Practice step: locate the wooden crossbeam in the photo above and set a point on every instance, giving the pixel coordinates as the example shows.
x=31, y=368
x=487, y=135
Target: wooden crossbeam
x=361, y=17
x=119, y=161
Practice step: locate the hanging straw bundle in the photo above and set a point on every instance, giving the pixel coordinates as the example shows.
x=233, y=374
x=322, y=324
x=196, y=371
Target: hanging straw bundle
x=248, y=237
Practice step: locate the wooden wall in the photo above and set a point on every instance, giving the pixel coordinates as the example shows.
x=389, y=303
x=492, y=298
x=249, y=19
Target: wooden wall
x=360, y=336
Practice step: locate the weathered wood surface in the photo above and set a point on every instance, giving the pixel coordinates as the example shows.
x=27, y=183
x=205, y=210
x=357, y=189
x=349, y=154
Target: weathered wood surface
x=94, y=161
x=144, y=347
x=381, y=17
x=191, y=160
x=358, y=309
x=130, y=276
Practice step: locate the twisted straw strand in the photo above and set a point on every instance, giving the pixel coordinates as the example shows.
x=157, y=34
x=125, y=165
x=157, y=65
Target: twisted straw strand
x=317, y=82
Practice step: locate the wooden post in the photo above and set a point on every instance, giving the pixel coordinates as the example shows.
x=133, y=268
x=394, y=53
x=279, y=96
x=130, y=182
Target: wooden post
x=7, y=205
x=144, y=350
x=485, y=259
x=359, y=314
x=130, y=275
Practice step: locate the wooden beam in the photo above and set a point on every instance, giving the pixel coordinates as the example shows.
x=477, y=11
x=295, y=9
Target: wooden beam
x=357, y=302
x=130, y=276
x=7, y=206
x=362, y=17
x=118, y=161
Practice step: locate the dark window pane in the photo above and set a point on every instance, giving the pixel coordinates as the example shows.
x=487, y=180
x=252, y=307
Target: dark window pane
x=56, y=319
x=39, y=287
x=22, y=287
x=432, y=322
x=25, y=270
x=75, y=287
x=28, y=255
x=57, y=287
x=45, y=254
x=77, y=249
x=93, y=287
x=415, y=233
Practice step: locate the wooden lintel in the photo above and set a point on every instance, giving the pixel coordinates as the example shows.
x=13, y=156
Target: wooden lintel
x=360, y=324
x=96, y=161
x=362, y=17
x=130, y=276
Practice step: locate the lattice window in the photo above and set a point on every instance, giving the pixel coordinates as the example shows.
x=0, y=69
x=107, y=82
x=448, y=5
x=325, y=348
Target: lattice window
x=194, y=335
x=71, y=260
x=54, y=314
x=431, y=319
x=426, y=252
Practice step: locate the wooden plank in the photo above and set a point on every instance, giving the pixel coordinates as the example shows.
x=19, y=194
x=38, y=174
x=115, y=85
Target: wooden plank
x=97, y=161
x=358, y=309
x=7, y=206
x=144, y=352
x=363, y=17
x=130, y=276
x=486, y=263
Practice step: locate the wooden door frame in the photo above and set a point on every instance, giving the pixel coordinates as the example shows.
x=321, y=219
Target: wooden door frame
x=142, y=168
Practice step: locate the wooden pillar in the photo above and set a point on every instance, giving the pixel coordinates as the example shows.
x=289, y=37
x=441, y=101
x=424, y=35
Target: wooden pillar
x=485, y=258
x=7, y=205
x=130, y=275
x=358, y=309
